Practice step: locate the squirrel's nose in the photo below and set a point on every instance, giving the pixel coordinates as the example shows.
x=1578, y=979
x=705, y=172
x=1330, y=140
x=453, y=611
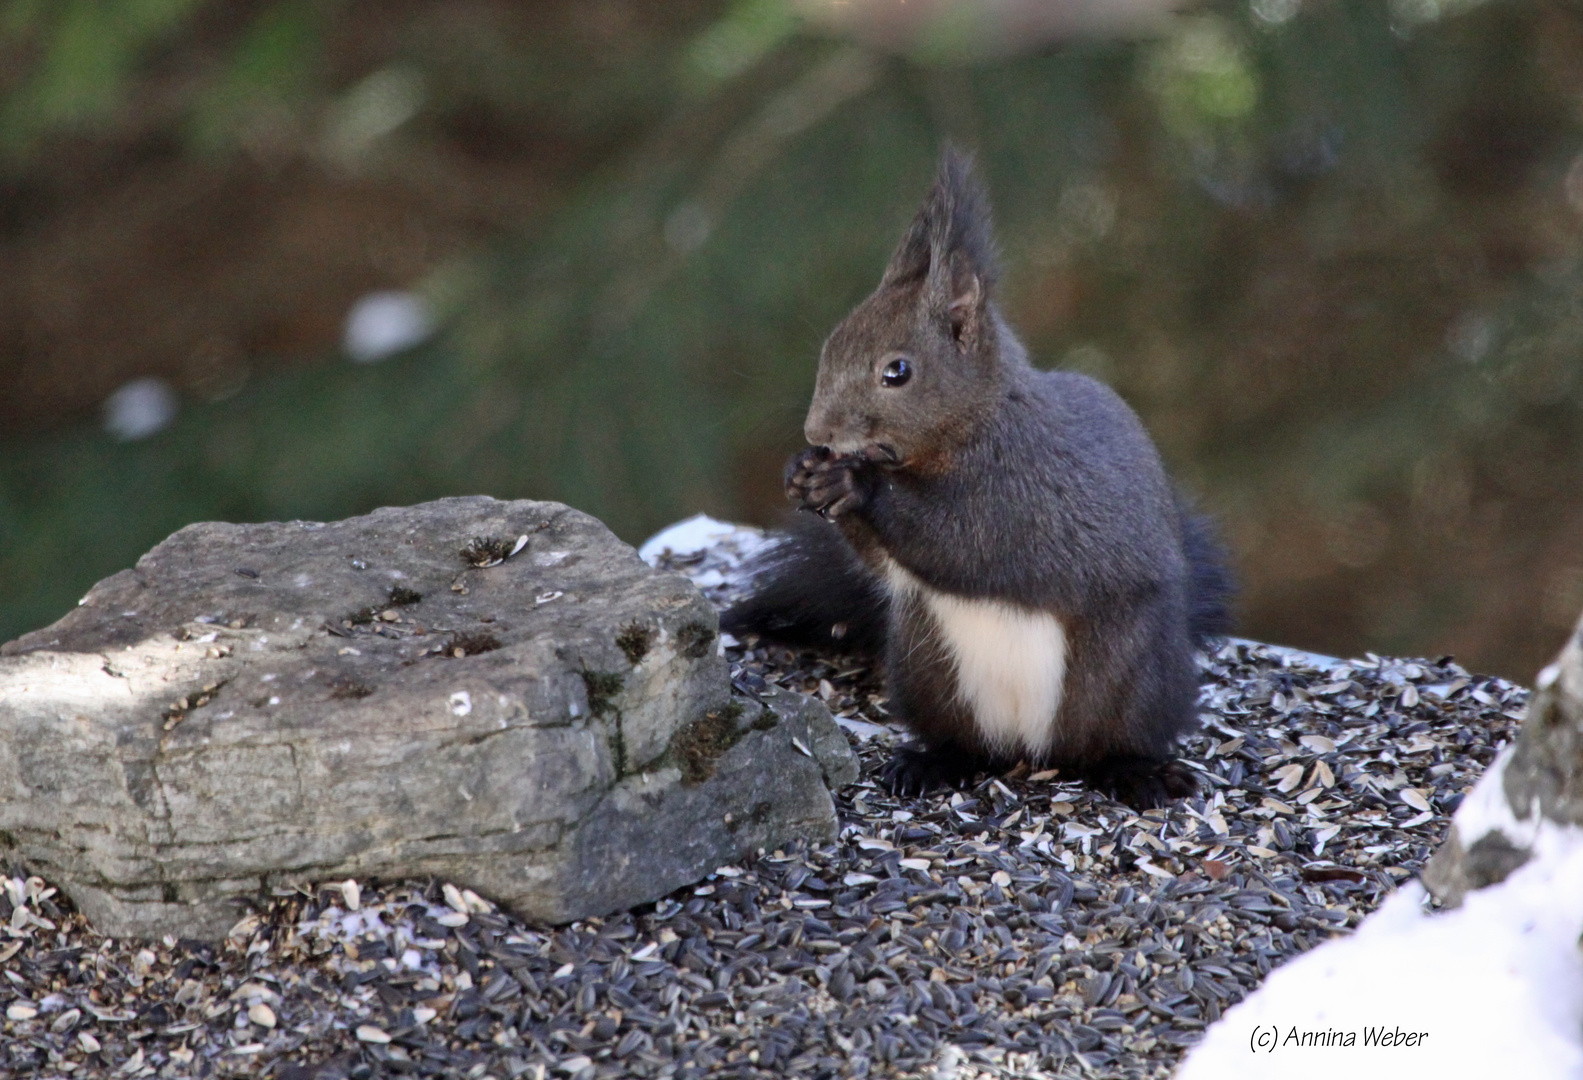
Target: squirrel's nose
x=817, y=429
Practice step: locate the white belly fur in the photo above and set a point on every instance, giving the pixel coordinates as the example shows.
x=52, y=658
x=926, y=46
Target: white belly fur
x=1010, y=663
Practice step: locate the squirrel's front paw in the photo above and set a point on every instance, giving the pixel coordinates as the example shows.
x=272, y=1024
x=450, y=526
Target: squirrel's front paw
x=819, y=481
x=801, y=472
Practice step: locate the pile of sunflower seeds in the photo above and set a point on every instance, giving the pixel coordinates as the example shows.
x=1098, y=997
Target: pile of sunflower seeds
x=1024, y=927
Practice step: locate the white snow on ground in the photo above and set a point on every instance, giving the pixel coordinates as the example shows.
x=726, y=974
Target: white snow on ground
x=700, y=533
x=1485, y=810
x=1495, y=986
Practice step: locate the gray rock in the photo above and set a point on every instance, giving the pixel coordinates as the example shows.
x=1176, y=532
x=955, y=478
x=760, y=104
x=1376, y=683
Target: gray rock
x=1535, y=783
x=254, y=705
x=811, y=724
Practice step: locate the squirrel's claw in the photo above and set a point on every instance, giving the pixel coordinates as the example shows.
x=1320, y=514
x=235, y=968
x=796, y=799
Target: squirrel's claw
x=1143, y=783
x=916, y=769
x=846, y=502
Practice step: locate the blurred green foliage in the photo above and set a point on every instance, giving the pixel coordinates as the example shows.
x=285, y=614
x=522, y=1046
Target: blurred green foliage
x=86, y=53
x=646, y=350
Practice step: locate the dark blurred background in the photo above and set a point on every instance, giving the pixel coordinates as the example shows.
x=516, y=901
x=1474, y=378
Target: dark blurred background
x=1330, y=249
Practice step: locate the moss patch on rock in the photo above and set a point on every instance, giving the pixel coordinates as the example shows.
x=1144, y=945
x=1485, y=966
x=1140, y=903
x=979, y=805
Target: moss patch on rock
x=694, y=640
x=634, y=641
x=602, y=686
x=699, y=745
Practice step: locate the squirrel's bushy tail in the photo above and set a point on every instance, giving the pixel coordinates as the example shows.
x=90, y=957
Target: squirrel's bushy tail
x=811, y=589
x=1210, y=584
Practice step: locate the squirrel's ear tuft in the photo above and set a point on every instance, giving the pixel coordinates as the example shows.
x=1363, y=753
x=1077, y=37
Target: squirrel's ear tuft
x=950, y=243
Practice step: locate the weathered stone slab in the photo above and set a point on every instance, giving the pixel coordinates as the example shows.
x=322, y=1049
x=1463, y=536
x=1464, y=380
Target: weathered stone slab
x=259, y=704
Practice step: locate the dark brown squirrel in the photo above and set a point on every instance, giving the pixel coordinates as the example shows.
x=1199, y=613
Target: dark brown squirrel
x=1006, y=537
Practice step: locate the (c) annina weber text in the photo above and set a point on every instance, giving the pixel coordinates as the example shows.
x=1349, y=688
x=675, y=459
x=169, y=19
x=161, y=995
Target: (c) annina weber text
x=1268, y=1038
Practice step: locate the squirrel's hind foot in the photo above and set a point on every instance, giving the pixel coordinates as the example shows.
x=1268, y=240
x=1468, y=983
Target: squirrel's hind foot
x=1142, y=783
x=915, y=769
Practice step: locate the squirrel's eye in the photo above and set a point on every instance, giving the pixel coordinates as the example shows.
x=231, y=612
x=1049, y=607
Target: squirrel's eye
x=896, y=372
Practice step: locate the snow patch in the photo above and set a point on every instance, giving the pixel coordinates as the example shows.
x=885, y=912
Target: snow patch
x=1486, y=810
x=699, y=533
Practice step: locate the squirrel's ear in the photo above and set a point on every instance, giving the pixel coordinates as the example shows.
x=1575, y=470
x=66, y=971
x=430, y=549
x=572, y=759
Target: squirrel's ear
x=910, y=261
x=966, y=312
x=950, y=244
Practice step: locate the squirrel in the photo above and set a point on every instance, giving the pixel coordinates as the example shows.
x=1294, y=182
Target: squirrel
x=1006, y=537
